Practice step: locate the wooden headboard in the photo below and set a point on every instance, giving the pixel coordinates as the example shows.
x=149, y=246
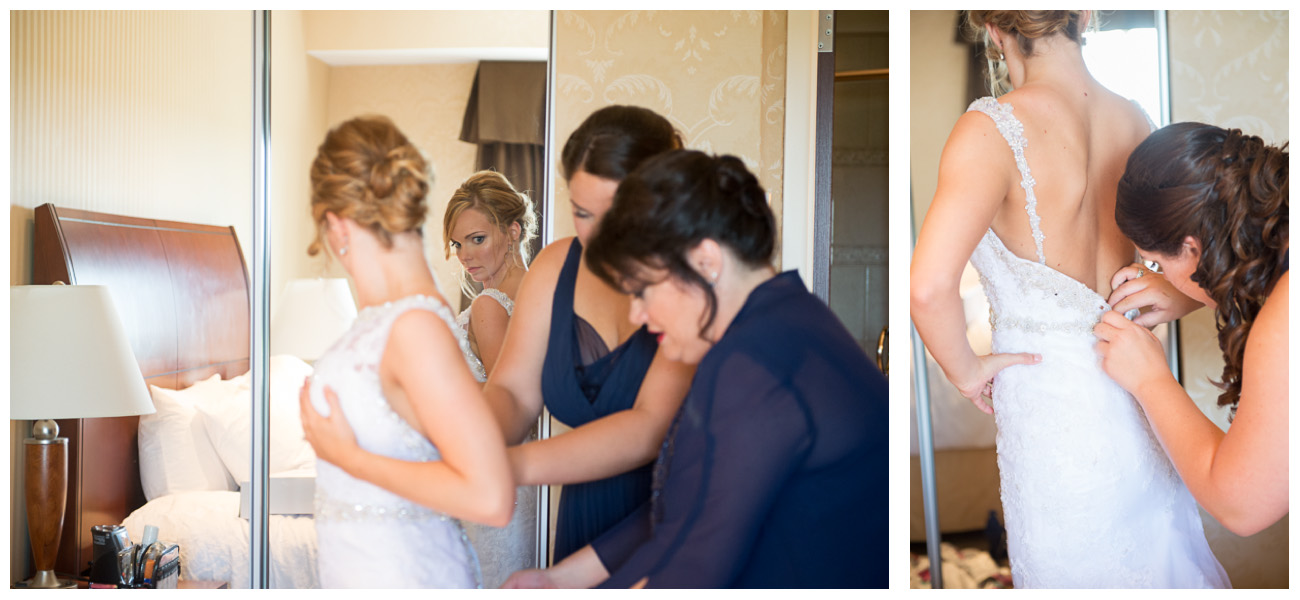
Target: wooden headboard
x=181, y=290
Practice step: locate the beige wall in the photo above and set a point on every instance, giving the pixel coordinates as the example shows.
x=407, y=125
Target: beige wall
x=717, y=76
x=1229, y=68
x=298, y=124
x=938, y=75
x=406, y=29
x=138, y=113
x=427, y=102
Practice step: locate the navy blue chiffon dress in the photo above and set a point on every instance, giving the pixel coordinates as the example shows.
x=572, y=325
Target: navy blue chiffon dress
x=582, y=380
x=774, y=473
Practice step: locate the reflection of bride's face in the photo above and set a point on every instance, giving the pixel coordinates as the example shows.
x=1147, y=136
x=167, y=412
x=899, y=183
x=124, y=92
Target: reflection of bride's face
x=1178, y=270
x=591, y=197
x=482, y=249
x=673, y=310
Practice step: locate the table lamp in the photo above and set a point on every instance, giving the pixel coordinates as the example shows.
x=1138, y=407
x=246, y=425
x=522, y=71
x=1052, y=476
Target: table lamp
x=69, y=359
x=310, y=315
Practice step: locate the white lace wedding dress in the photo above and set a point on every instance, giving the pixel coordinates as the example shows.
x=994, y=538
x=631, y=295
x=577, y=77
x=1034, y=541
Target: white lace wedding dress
x=367, y=536
x=1090, y=498
x=501, y=551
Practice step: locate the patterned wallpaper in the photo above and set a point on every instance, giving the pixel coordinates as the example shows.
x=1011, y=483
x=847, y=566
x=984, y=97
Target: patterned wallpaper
x=1229, y=68
x=717, y=76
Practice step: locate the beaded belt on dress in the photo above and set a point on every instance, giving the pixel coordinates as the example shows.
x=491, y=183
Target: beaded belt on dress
x=1036, y=326
x=333, y=509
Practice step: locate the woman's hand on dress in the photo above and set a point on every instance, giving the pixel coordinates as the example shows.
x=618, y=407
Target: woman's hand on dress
x=330, y=437
x=1136, y=286
x=1130, y=353
x=978, y=387
x=529, y=579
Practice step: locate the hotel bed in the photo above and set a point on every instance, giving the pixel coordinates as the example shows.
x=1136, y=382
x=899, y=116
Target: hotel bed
x=182, y=292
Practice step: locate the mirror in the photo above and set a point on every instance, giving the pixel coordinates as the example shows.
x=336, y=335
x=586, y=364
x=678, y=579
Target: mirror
x=959, y=490
x=439, y=76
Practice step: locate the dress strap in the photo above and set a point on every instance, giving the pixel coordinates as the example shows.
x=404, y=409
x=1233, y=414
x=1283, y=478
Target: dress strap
x=1014, y=132
x=501, y=299
x=1150, y=124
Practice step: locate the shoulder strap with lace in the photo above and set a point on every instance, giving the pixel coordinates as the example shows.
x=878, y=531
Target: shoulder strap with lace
x=501, y=298
x=1014, y=132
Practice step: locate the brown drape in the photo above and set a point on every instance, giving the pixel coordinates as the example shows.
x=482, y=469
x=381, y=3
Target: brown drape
x=506, y=117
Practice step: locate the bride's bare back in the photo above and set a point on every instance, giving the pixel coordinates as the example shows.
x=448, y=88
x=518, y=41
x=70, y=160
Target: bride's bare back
x=1077, y=143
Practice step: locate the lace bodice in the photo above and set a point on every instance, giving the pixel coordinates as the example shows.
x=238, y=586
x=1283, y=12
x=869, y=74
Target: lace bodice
x=1032, y=296
x=1089, y=497
x=359, y=523
x=462, y=324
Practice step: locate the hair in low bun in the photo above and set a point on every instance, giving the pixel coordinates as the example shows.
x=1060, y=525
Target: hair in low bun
x=1231, y=192
x=366, y=170
x=668, y=206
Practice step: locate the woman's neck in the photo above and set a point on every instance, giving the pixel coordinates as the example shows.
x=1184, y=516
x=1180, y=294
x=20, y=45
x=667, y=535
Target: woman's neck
x=389, y=274
x=1056, y=62
x=732, y=293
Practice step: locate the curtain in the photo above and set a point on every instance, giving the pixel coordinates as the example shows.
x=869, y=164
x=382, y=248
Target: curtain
x=506, y=118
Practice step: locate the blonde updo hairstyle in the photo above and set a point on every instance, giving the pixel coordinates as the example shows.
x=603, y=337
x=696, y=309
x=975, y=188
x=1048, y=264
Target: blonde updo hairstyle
x=1025, y=26
x=367, y=171
x=494, y=196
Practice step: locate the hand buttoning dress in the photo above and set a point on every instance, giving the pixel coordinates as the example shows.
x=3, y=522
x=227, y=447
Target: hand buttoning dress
x=501, y=551
x=367, y=536
x=1090, y=498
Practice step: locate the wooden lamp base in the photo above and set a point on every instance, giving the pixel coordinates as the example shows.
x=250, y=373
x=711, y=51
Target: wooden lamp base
x=46, y=477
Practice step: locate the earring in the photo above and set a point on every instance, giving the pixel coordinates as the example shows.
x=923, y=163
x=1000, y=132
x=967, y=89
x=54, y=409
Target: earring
x=343, y=251
x=713, y=278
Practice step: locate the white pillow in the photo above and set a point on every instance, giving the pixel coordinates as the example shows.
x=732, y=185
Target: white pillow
x=230, y=427
x=175, y=453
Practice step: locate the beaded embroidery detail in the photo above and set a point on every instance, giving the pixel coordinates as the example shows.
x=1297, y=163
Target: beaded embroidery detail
x=462, y=323
x=1014, y=131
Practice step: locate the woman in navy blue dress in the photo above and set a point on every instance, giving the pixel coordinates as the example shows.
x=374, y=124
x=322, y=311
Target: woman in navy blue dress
x=571, y=347
x=773, y=473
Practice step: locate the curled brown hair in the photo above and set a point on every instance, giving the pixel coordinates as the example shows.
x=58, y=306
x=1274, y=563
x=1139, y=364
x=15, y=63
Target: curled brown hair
x=493, y=195
x=1229, y=191
x=367, y=171
x=1026, y=26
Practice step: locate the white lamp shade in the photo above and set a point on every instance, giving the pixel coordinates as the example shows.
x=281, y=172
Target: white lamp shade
x=69, y=355
x=312, y=314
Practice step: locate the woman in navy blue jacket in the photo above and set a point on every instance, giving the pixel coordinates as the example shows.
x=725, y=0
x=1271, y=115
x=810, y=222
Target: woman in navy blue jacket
x=774, y=472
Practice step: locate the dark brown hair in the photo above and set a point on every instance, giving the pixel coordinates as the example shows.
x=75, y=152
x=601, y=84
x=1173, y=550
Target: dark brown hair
x=612, y=141
x=668, y=206
x=1227, y=190
x=367, y=171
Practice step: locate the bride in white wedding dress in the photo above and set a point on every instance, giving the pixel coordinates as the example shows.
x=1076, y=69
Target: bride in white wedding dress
x=489, y=224
x=1089, y=498
x=404, y=389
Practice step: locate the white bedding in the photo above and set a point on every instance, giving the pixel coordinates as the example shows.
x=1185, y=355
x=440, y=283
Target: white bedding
x=214, y=541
